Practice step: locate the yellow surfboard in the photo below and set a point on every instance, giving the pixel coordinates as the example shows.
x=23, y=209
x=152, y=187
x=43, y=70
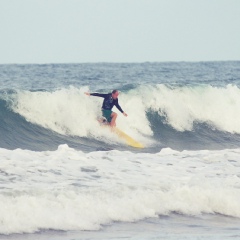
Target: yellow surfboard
x=130, y=141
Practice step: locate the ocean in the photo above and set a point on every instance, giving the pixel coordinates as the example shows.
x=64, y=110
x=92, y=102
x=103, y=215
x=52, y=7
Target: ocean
x=63, y=176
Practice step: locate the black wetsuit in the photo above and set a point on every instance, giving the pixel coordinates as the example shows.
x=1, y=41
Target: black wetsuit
x=108, y=101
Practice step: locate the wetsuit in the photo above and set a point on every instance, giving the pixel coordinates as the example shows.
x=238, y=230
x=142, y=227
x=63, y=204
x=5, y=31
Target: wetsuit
x=108, y=104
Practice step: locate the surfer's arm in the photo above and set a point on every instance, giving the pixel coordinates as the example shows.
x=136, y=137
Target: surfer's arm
x=118, y=107
x=98, y=95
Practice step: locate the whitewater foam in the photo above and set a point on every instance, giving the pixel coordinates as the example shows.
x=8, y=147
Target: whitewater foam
x=183, y=106
x=67, y=189
x=158, y=115
x=69, y=111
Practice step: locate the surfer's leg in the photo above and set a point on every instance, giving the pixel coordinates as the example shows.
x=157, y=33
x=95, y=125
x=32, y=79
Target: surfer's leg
x=107, y=114
x=113, y=121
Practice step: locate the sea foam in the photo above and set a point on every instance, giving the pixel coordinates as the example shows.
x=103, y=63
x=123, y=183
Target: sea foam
x=69, y=111
x=68, y=189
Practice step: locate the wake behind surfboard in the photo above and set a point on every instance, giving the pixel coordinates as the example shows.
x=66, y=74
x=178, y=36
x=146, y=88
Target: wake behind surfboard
x=129, y=140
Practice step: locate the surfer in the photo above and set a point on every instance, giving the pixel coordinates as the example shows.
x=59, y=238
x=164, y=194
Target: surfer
x=110, y=100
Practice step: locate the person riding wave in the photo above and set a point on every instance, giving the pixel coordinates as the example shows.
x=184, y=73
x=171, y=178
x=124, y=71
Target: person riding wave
x=110, y=100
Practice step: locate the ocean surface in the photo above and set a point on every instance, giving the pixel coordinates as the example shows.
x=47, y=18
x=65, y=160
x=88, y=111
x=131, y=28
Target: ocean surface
x=63, y=176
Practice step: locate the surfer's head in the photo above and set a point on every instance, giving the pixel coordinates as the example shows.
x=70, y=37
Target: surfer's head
x=115, y=94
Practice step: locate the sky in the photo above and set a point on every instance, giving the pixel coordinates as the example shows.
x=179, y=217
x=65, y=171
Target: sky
x=79, y=31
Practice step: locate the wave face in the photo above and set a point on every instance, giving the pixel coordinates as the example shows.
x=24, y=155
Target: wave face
x=180, y=117
x=67, y=189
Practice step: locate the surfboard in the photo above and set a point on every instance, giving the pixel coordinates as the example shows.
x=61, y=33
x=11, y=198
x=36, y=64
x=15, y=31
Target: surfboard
x=129, y=140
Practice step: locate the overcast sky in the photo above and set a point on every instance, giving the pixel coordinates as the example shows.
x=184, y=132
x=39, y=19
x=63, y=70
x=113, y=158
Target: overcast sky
x=75, y=31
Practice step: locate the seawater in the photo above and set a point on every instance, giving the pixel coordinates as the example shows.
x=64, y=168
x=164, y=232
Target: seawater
x=61, y=171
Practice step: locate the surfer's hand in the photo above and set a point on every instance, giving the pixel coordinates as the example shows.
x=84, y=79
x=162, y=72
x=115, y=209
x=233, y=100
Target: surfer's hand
x=124, y=114
x=87, y=93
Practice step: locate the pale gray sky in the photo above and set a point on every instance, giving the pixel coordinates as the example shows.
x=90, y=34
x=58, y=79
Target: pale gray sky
x=75, y=31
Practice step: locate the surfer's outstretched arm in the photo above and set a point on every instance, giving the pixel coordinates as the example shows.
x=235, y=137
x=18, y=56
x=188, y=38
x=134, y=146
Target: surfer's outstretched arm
x=96, y=94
